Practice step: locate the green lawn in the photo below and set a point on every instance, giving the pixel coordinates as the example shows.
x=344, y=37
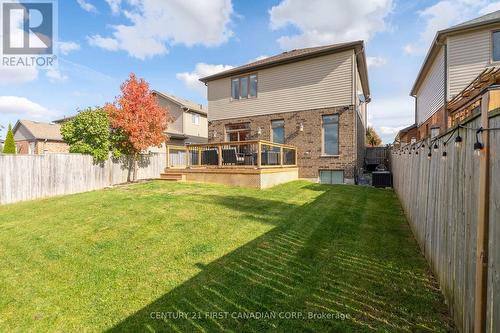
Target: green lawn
x=134, y=258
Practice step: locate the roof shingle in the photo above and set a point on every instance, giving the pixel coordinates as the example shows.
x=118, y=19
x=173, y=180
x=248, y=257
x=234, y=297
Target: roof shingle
x=43, y=131
x=288, y=56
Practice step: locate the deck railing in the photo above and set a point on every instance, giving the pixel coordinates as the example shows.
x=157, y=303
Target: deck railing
x=241, y=154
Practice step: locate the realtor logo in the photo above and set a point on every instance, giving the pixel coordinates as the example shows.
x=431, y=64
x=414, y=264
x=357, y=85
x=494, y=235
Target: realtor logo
x=28, y=28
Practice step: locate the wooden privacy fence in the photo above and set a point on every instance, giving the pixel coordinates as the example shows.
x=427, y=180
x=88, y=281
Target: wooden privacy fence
x=27, y=177
x=440, y=197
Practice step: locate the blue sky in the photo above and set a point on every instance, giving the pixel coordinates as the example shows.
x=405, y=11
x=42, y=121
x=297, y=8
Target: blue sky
x=171, y=43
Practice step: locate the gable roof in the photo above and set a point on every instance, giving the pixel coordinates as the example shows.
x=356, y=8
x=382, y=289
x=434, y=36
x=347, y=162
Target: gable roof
x=479, y=22
x=189, y=105
x=298, y=55
x=41, y=131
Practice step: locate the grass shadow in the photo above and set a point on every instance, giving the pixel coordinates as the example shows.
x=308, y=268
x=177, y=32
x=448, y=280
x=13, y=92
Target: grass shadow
x=332, y=264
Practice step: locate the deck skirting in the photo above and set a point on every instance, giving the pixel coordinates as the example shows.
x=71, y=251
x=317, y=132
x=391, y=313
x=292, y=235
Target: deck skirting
x=245, y=177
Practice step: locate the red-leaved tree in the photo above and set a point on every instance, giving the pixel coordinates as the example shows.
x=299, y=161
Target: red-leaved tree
x=136, y=119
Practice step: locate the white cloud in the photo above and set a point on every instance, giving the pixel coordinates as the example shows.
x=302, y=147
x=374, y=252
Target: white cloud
x=114, y=5
x=66, y=47
x=376, y=61
x=329, y=21
x=389, y=115
x=55, y=75
x=492, y=7
x=17, y=75
x=87, y=6
x=191, y=79
x=156, y=25
x=445, y=14
x=22, y=107
x=109, y=44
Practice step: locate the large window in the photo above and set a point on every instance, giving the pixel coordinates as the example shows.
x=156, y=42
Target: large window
x=238, y=132
x=495, y=46
x=278, y=131
x=244, y=87
x=330, y=131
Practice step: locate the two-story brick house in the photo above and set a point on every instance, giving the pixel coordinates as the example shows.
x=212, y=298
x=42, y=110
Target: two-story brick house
x=313, y=98
x=456, y=57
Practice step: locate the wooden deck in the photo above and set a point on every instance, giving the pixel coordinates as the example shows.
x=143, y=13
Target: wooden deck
x=259, y=164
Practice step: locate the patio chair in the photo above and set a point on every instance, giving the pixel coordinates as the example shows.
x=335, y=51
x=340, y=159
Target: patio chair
x=231, y=156
x=210, y=157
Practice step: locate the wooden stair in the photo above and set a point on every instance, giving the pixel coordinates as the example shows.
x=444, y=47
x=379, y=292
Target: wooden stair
x=174, y=177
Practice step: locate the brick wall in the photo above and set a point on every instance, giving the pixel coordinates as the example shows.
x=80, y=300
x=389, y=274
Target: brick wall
x=22, y=147
x=309, y=140
x=51, y=147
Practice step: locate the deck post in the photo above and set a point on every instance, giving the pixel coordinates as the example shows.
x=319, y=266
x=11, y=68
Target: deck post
x=219, y=149
x=199, y=156
x=187, y=157
x=281, y=156
x=168, y=157
x=259, y=154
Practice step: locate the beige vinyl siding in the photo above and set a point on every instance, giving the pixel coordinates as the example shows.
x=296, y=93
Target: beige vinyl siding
x=430, y=95
x=195, y=130
x=468, y=55
x=320, y=82
x=175, y=113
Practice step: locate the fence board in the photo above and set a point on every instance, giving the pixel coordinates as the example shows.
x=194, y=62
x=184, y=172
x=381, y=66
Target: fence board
x=28, y=177
x=439, y=198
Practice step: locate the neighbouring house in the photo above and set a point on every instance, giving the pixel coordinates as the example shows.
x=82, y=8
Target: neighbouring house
x=312, y=98
x=35, y=137
x=1, y=145
x=456, y=57
x=189, y=121
x=407, y=135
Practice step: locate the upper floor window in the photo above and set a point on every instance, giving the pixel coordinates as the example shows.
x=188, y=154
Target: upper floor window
x=244, y=87
x=195, y=118
x=495, y=46
x=278, y=131
x=330, y=129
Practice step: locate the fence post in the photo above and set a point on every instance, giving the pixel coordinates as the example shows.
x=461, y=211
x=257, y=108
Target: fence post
x=482, y=224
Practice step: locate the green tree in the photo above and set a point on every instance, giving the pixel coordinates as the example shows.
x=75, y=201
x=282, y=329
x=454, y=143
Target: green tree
x=372, y=138
x=89, y=133
x=9, y=145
